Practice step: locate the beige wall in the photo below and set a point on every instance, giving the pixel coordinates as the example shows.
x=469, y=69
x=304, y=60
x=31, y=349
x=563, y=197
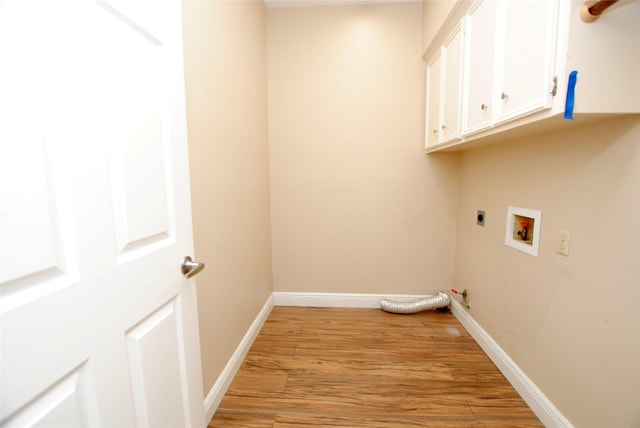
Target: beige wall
x=225, y=65
x=434, y=13
x=571, y=323
x=356, y=205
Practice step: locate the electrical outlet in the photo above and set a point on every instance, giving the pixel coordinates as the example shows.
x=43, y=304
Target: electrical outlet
x=480, y=218
x=563, y=243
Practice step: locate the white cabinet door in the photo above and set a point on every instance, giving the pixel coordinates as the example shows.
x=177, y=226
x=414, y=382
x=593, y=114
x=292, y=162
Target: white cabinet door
x=432, y=130
x=480, y=38
x=99, y=326
x=444, y=84
x=525, y=49
x=452, y=77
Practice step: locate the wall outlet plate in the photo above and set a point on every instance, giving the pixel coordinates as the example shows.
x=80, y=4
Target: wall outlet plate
x=480, y=216
x=563, y=242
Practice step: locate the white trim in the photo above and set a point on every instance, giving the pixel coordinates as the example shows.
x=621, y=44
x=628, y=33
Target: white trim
x=336, y=300
x=216, y=394
x=525, y=247
x=548, y=414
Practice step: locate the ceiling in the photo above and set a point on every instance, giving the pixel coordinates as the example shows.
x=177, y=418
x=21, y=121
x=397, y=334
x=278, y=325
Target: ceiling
x=298, y=3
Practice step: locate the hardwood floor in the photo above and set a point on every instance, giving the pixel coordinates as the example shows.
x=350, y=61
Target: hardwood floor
x=329, y=367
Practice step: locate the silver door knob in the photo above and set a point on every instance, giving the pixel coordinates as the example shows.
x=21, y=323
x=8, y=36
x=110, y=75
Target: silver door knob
x=189, y=268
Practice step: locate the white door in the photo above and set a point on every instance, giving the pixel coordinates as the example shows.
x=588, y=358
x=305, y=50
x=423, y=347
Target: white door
x=98, y=324
x=452, y=76
x=478, y=75
x=434, y=91
x=526, y=36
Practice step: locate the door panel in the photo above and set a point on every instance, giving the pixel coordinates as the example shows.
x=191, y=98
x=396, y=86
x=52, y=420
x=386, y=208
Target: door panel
x=29, y=192
x=33, y=257
x=136, y=128
x=157, y=335
x=71, y=402
x=32, y=227
x=139, y=172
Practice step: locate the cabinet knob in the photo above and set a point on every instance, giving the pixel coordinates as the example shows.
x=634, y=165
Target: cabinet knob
x=504, y=96
x=484, y=107
x=435, y=131
x=444, y=127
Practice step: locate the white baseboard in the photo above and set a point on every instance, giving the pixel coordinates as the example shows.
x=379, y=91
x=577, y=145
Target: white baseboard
x=335, y=300
x=215, y=395
x=548, y=414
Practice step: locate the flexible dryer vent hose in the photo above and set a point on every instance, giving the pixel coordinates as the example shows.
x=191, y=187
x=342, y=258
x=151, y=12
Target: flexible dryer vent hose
x=414, y=306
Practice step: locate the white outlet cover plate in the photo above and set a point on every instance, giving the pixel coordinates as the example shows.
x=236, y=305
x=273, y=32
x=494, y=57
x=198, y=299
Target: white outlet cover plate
x=563, y=242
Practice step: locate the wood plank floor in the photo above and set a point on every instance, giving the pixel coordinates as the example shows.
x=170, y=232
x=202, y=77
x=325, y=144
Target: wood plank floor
x=328, y=367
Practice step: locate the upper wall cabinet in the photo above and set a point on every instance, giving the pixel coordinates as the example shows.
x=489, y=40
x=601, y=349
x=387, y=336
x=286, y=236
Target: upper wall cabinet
x=525, y=39
x=480, y=36
x=444, y=82
x=434, y=68
x=512, y=74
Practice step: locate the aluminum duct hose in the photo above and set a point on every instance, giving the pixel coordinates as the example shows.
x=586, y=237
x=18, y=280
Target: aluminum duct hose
x=413, y=306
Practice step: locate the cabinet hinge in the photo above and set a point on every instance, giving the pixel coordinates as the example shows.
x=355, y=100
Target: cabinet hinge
x=555, y=86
